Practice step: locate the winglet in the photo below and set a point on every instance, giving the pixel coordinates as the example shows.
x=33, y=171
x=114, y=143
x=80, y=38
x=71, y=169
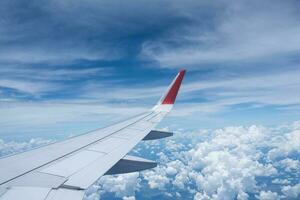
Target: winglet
x=170, y=96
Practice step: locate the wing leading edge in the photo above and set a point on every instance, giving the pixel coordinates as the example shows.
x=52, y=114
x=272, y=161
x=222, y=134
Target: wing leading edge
x=64, y=170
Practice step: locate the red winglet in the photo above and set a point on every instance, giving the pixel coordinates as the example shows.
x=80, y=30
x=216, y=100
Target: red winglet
x=170, y=97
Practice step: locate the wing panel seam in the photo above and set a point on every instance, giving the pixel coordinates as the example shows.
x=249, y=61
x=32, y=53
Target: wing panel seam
x=74, y=150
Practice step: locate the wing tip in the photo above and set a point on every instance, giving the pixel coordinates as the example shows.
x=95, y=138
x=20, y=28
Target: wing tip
x=171, y=95
x=182, y=71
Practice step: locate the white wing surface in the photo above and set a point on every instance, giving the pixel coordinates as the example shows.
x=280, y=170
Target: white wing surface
x=64, y=170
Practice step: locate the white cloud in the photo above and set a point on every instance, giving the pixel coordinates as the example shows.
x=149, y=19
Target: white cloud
x=291, y=191
x=281, y=181
x=226, y=164
x=156, y=178
x=290, y=144
x=92, y=193
x=267, y=195
x=274, y=89
x=201, y=196
x=171, y=170
x=66, y=54
x=122, y=186
x=36, y=116
x=242, y=32
x=129, y=198
x=223, y=164
x=40, y=73
x=30, y=87
x=12, y=147
x=290, y=164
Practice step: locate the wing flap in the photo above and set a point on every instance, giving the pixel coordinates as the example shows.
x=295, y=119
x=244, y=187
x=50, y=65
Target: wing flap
x=38, y=179
x=154, y=135
x=65, y=194
x=130, y=164
x=88, y=175
x=72, y=164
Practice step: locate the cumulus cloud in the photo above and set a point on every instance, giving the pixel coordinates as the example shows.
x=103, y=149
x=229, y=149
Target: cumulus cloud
x=291, y=191
x=281, y=181
x=283, y=149
x=122, y=186
x=13, y=147
x=290, y=164
x=267, y=195
x=227, y=163
x=230, y=163
x=129, y=198
x=157, y=178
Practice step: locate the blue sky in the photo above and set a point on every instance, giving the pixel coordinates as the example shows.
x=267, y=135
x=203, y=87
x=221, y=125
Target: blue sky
x=70, y=66
x=89, y=63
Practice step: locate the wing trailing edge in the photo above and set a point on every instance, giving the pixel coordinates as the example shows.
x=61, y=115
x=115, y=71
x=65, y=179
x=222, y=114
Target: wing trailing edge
x=130, y=164
x=154, y=135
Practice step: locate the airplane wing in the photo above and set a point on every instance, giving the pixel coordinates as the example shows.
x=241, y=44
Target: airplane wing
x=64, y=170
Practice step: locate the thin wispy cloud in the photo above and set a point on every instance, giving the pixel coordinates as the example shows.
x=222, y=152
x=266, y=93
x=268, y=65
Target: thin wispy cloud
x=240, y=56
x=243, y=32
